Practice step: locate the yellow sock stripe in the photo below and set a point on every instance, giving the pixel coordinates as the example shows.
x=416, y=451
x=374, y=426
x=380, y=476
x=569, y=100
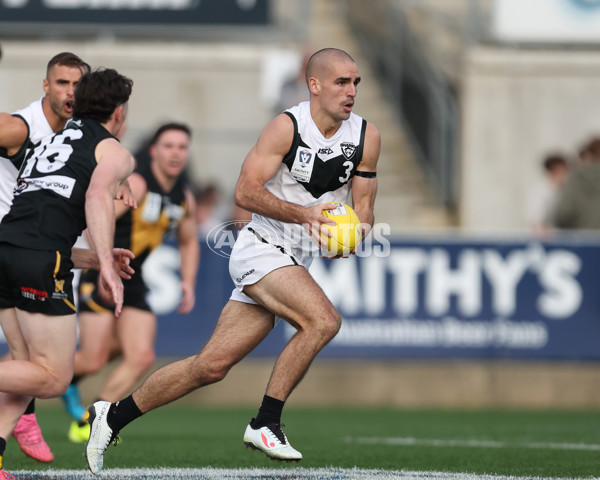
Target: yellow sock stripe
x=0, y=462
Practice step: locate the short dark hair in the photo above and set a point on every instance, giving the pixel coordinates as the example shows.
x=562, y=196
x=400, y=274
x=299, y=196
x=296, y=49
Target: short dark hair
x=323, y=56
x=555, y=160
x=68, y=59
x=170, y=126
x=98, y=94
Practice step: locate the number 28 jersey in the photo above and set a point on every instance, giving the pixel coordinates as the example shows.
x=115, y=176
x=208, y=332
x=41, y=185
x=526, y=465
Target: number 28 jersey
x=48, y=210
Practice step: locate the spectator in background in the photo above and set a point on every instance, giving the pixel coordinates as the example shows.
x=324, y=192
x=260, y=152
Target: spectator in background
x=578, y=205
x=589, y=150
x=544, y=193
x=294, y=89
x=208, y=202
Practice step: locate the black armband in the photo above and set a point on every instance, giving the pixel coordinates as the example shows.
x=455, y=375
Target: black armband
x=360, y=173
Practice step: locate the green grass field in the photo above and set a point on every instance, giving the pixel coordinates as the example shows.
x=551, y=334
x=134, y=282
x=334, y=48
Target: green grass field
x=520, y=443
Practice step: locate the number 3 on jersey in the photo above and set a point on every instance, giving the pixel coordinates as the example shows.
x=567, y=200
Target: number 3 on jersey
x=349, y=165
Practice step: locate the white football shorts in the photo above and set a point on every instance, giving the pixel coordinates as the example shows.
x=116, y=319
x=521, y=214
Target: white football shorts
x=257, y=252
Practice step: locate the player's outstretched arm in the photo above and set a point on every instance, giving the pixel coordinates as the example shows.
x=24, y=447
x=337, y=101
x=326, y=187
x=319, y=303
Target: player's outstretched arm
x=189, y=250
x=115, y=163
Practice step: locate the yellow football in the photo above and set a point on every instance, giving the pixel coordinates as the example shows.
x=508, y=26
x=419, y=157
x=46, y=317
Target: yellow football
x=346, y=235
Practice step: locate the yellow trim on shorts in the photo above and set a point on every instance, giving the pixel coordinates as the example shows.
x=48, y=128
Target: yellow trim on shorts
x=56, y=269
x=70, y=304
x=57, y=266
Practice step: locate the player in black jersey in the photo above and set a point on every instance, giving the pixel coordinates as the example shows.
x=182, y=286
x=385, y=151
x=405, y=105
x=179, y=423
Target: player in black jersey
x=166, y=205
x=18, y=132
x=67, y=180
x=284, y=289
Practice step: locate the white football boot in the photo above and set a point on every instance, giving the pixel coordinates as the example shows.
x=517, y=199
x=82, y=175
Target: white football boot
x=271, y=440
x=100, y=436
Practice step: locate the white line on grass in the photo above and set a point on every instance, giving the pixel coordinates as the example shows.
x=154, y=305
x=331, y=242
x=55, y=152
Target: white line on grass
x=407, y=441
x=259, y=474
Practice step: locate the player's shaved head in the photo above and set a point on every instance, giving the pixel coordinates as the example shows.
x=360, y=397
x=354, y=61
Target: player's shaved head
x=320, y=62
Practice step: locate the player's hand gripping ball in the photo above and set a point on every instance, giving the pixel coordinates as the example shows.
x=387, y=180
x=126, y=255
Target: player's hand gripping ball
x=346, y=234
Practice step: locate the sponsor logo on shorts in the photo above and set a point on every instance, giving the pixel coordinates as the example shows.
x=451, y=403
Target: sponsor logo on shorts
x=250, y=272
x=34, y=294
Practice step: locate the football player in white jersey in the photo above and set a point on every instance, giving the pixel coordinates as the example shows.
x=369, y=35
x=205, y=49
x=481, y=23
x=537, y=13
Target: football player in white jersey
x=25, y=127
x=268, y=267
x=18, y=132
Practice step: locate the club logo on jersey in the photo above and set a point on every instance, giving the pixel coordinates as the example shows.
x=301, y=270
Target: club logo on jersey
x=59, y=289
x=348, y=149
x=303, y=165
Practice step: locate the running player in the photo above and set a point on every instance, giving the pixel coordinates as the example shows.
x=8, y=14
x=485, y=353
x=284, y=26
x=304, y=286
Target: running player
x=166, y=205
x=67, y=180
x=18, y=132
x=305, y=158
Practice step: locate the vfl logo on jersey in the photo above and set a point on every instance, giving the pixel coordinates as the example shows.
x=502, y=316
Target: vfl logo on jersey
x=59, y=289
x=304, y=158
x=303, y=165
x=348, y=149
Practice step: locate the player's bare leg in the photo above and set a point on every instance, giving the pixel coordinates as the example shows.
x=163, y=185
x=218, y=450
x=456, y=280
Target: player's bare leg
x=292, y=294
x=51, y=345
x=42, y=348
x=27, y=431
x=288, y=292
x=96, y=337
x=136, y=331
x=12, y=405
x=95, y=342
x=240, y=328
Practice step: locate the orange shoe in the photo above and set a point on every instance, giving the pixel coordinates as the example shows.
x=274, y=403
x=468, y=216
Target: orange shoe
x=29, y=437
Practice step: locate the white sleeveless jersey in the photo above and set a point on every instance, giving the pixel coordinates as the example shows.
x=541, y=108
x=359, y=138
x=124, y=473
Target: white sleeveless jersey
x=39, y=128
x=315, y=170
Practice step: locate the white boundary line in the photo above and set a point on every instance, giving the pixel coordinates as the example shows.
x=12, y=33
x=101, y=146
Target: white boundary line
x=260, y=474
x=404, y=441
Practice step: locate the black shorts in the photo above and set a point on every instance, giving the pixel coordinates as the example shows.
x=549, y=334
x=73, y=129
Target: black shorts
x=36, y=281
x=135, y=292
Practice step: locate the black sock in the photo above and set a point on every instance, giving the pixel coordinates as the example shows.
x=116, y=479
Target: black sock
x=30, y=407
x=268, y=413
x=121, y=413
